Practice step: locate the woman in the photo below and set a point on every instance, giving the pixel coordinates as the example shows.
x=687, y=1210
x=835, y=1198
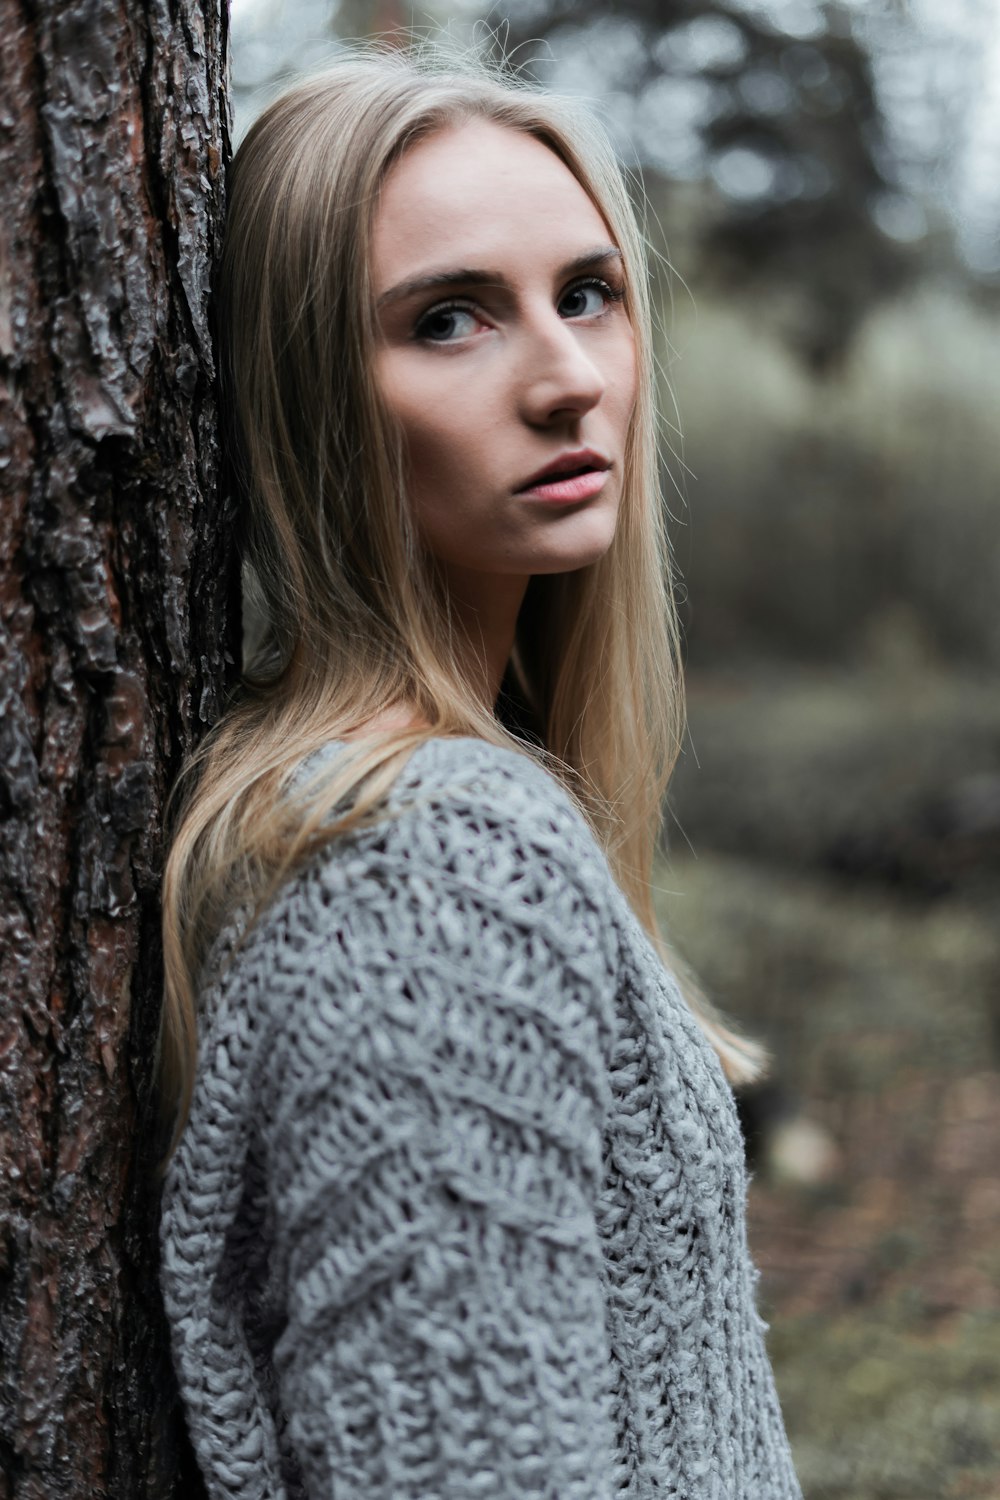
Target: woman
x=457, y=1201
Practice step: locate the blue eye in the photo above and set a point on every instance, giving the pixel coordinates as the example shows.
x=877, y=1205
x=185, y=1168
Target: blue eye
x=444, y=324
x=588, y=298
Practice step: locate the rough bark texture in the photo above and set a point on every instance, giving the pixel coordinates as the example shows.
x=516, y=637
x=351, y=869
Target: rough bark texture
x=117, y=632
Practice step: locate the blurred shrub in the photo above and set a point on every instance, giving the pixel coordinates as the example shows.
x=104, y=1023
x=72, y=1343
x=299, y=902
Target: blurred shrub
x=823, y=520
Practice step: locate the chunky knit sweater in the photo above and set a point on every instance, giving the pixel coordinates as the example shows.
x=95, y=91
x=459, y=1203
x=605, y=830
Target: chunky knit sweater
x=459, y=1208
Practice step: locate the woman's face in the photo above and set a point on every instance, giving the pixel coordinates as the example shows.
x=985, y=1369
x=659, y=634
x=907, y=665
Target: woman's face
x=505, y=348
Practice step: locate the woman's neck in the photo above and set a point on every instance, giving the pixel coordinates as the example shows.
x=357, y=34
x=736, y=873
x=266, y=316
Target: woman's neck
x=485, y=608
x=485, y=611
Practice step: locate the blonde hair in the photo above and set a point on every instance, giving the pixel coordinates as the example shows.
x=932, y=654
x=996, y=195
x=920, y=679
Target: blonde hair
x=355, y=620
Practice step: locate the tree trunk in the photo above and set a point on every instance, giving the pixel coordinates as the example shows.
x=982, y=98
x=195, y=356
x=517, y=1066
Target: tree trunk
x=118, y=630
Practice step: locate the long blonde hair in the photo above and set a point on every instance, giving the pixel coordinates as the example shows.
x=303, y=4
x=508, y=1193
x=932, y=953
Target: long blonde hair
x=355, y=618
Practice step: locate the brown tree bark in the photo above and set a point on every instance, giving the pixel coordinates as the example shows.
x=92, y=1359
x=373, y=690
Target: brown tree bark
x=118, y=629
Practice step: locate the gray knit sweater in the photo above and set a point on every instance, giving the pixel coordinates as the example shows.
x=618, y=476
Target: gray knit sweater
x=459, y=1209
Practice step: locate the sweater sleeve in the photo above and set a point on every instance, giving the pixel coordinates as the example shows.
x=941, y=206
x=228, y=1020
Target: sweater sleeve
x=437, y=1086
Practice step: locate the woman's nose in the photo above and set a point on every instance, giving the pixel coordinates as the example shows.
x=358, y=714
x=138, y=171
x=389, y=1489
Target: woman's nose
x=560, y=378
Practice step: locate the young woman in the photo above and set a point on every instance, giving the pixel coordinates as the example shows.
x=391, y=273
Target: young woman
x=456, y=1204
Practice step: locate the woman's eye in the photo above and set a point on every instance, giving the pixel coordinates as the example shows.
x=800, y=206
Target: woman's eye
x=444, y=324
x=587, y=298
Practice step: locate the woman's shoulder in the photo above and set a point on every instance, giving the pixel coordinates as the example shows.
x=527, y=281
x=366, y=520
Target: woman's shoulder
x=462, y=814
x=467, y=826
x=472, y=770
x=447, y=779
x=479, y=857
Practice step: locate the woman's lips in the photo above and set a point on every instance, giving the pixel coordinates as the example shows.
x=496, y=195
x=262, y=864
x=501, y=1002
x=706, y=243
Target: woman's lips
x=568, y=489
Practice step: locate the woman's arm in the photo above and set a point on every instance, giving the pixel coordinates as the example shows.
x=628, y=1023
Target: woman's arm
x=436, y=1090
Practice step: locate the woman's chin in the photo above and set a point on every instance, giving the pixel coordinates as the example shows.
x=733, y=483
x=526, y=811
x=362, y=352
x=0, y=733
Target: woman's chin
x=578, y=547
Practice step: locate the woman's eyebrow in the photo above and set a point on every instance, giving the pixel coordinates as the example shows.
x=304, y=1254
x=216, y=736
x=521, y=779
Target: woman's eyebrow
x=468, y=276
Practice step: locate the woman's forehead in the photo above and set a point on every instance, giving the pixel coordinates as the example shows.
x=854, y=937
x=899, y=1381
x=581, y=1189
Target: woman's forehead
x=475, y=193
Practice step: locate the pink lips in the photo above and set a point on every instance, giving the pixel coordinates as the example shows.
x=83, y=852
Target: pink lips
x=562, y=483
x=569, y=490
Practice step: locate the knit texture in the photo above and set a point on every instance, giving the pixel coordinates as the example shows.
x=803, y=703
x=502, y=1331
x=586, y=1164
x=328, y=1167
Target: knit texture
x=459, y=1210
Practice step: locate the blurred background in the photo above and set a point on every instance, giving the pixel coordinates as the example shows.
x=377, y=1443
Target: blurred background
x=821, y=187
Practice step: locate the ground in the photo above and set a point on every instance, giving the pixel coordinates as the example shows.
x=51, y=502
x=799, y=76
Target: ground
x=875, y=980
